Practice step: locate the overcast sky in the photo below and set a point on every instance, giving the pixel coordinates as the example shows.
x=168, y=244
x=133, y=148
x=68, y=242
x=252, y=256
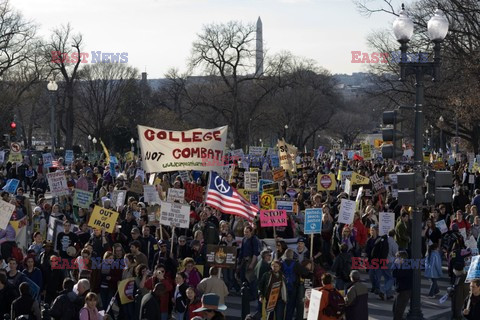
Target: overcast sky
x=157, y=34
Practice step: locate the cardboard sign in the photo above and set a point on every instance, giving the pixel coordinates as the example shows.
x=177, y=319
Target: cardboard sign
x=103, y=218
x=273, y=297
x=47, y=160
x=150, y=194
x=82, y=199
x=69, y=156
x=386, y=221
x=136, y=187
x=11, y=186
x=267, y=201
x=6, y=211
x=347, y=211
x=273, y=218
x=278, y=174
x=326, y=182
x=197, y=149
x=313, y=221
x=175, y=214
x=58, y=183
x=251, y=181
x=118, y=197
x=221, y=256
x=272, y=188
x=314, y=306
x=176, y=195
x=359, y=179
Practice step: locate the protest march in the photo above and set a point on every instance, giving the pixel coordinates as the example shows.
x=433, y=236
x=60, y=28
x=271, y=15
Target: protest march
x=290, y=230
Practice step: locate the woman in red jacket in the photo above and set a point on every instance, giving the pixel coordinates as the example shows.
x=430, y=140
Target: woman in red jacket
x=361, y=233
x=193, y=304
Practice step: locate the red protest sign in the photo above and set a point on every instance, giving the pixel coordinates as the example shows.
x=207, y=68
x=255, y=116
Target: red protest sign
x=273, y=218
x=193, y=192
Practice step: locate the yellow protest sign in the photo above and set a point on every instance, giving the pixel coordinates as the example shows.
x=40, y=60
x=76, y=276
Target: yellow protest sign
x=244, y=193
x=339, y=175
x=377, y=143
x=15, y=157
x=326, y=182
x=125, y=290
x=367, y=153
x=129, y=156
x=254, y=169
x=359, y=179
x=103, y=218
x=267, y=201
x=476, y=167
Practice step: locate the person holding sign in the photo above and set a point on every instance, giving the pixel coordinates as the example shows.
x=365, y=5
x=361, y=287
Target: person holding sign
x=273, y=292
x=471, y=308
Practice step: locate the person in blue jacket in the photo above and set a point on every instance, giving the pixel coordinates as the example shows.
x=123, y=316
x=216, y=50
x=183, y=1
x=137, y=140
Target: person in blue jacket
x=433, y=268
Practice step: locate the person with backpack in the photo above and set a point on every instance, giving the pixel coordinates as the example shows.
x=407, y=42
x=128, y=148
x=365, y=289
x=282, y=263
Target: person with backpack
x=274, y=280
x=64, y=306
x=289, y=268
x=403, y=282
x=332, y=304
x=385, y=250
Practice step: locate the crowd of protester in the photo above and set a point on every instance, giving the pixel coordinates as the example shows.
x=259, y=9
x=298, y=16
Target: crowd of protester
x=172, y=276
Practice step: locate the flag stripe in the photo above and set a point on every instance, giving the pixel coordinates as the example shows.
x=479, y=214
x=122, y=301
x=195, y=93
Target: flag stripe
x=222, y=207
x=231, y=205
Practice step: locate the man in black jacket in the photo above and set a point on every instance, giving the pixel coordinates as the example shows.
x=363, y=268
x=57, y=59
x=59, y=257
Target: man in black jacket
x=7, y=294
x=25, y=304
x=64, y=306
x=403, y=283
x=471, y=309
x=150, y=306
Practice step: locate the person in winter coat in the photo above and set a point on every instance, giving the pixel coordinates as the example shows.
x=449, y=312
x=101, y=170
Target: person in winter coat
x=471, y=308
x=90, y=311
x=341, y=267
x=180, y=296
x=401, y=232
x=433, y=268
x=327, y=288
x=274, y=280
x=431, y=233
x=305, y=281
x=150, y=306
x=361, y=233
x=64, y=302
x=356, y=299
x=25, y=304
x=193, y=304
x=368, y=250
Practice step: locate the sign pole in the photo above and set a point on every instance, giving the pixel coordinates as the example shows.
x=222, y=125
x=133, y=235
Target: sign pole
x=172, y=237
x=274, y=233
x=311, y=247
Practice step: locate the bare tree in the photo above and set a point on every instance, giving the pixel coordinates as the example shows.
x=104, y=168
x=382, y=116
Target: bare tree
x=64, y=44
x=16, y=33
x=101, y=96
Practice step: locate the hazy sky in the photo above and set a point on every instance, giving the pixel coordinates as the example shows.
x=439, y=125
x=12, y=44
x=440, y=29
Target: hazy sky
x=157, y=34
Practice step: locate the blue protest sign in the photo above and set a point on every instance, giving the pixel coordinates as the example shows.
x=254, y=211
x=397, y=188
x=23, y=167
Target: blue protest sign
x=474, y=270
x=275, y=161
x=313, y=221
x=47, y=160
x=262, y=182
x=68, y=156
x=11, y=185
x=113, y=160
x=285, y=205
x=254, y=198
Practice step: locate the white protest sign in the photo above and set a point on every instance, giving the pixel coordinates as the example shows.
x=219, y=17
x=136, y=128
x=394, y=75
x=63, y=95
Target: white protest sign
x=348, y=187
x=6, y=210
x=442, y=226
x=314, y=307
x=347, y=211
x=255, y=151
x=140, y=173
x=197, y=149
x=150, y=194
x=463, y=232
x=58, y=184
x=358, y=200
x=118, y=197
x=474, y=270
x=386, y=222
x=175, y=215
x=184, y=176
x=251, y=181
x=176, y=194
x=471, y=243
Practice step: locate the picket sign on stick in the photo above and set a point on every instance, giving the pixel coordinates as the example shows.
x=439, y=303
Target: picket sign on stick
x=311, y=247
x=171, y=245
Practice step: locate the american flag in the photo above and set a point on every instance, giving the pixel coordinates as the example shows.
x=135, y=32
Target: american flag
x=224, y=197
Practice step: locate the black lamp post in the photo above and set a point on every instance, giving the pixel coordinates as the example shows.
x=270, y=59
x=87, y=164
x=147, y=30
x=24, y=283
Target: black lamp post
x=403, y=30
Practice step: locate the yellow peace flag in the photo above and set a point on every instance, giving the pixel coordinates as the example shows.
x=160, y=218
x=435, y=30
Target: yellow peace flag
x=125, y=290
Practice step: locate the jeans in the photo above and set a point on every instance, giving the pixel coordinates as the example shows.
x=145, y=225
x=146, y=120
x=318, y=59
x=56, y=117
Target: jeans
x=179, y=315
x=164, y=315
x=433, y=287
x=387, y=275
x=105, y=295
x=340, y=284
x=229, y=278
x=373, y=279
x=291, y=303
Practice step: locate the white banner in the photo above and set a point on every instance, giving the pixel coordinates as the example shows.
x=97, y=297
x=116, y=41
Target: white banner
x=347, y=211
x=386, y=222
x=6, y=210
x=287, y=154
x=197, y=149
x=176, y=194
x=175, y=215
x=58, y=183
x=150, y=194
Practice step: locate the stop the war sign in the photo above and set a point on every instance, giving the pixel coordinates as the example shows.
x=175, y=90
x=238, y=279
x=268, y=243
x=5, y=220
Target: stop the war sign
x=273, y=218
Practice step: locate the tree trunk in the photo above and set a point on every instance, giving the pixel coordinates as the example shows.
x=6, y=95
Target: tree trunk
x=69, y=119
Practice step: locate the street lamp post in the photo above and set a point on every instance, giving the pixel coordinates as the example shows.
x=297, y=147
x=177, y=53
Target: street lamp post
x=94, y=140
x=285, y=131
x=132, y=141
x=403, y=30
x=52, y=87
x=89, y=142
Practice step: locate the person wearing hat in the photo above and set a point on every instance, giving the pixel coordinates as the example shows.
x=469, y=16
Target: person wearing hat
x=301, y=252
x=211, y=307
